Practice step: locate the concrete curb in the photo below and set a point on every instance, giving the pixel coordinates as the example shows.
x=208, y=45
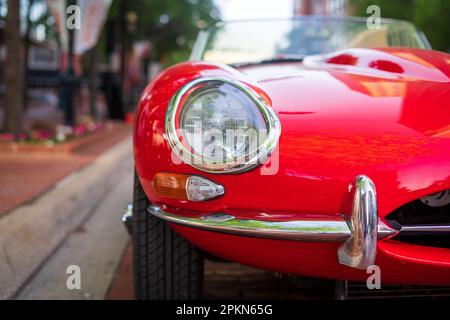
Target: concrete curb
x=30, y=233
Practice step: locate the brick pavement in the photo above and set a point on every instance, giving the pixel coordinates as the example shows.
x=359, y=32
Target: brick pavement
x=26, y=175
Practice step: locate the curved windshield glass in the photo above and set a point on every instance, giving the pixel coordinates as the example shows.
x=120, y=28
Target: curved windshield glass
x=252, y=41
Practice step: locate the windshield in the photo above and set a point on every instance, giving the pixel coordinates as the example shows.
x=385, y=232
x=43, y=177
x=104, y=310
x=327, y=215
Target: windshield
x=253, y=41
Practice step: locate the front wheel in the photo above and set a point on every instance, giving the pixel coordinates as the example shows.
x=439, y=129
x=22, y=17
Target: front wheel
x=166, y=266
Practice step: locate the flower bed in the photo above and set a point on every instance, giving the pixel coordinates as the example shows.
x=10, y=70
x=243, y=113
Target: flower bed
x=64, y=139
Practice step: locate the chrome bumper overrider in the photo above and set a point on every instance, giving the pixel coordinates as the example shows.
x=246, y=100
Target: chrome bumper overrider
x=360, y=249
x=358, y=232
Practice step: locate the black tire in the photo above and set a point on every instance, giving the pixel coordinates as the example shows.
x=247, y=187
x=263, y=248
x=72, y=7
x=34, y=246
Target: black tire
x=166, y=266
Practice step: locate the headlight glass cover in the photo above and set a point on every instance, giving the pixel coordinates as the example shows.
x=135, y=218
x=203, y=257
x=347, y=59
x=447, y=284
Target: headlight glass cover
x=221, y=125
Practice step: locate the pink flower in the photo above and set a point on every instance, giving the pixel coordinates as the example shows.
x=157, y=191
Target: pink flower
x=43, y=135
x=7, y=137
x=80, y=130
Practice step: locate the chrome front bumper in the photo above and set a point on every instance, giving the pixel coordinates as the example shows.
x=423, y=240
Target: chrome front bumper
x=298, y=230
x=358, y=232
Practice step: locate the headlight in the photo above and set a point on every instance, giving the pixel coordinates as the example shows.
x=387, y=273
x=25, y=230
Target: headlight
x=220, y=125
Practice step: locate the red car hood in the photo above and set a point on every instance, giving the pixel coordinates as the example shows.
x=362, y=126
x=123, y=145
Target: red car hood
x=383, y=113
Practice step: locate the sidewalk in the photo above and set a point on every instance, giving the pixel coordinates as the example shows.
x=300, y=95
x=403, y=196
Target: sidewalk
x=45, y=195
x=26, y=175
x=95, y=246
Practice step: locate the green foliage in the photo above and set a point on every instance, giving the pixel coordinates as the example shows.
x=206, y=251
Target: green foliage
x=171, y=25
x=433, y=18
x=430, y=16
x=394, y=9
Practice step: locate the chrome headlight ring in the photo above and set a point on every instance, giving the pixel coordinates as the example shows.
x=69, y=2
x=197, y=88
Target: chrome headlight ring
x=243, y=163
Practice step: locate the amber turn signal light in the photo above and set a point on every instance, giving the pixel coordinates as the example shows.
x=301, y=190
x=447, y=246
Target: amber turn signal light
x=185, y=187
x=171, y=185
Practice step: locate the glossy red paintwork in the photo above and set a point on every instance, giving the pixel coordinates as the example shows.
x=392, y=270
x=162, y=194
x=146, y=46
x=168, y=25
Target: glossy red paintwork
x=382, y=113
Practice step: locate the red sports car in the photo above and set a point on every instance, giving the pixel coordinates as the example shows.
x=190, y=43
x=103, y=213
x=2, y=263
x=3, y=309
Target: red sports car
x=312, y=146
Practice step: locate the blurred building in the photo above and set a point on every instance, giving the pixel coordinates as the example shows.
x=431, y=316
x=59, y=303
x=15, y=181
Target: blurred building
x=321, y=7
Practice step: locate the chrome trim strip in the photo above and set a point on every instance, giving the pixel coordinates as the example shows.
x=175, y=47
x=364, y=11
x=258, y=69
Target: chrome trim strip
x=424, y=228
x=241, y=164
x=386, y=231
x=301, y=230
x=359, y=251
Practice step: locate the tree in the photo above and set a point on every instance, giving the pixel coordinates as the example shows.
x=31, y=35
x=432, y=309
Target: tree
x=170, y=25
x=430, y=16
x=13, y=70
x=433, y=18
x=398, y=9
